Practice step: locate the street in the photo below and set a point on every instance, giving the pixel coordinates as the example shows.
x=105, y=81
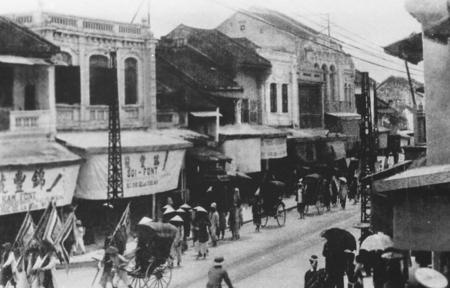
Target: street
x=274, y=257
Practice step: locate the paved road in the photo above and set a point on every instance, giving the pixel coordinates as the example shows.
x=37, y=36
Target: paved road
x=275, y=257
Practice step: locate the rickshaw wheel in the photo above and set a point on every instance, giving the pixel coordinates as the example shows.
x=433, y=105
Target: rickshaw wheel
x=160, y=278
x=281, y=214
x=265, y=221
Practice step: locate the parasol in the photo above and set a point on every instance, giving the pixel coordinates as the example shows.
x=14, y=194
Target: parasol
x=428, y=277
x=339, y=239
x=379, y=241
x=162, y=230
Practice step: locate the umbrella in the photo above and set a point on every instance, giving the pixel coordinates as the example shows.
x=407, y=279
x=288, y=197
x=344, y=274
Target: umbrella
x=176, y=219
x=430, y=278
x=339, y=239
x=379, y=241
x=185, y=206
x=277, y=183
x=200, y=209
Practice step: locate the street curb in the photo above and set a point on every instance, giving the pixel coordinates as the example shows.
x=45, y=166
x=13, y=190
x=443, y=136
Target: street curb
x=93, y=262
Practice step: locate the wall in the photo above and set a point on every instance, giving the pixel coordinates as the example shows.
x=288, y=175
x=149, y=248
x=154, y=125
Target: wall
x=245, y=154
x=33, y=75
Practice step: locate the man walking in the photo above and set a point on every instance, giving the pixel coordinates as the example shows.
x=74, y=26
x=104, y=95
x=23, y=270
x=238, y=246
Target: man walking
x=217, y=274
x=214, y=220
x=314, y=278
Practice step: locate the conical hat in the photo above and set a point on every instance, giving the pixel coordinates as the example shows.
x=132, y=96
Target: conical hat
x=185, y=206
x=167, y=206
x=176, y=219
x=145, y=220
x=200, y=209
x=179, y=210
x=169, y=210
x=430, y=278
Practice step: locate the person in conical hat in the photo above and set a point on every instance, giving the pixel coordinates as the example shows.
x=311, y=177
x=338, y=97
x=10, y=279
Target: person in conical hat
x=177, y=244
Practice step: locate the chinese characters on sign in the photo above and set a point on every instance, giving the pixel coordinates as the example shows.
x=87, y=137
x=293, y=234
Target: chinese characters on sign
x=32, y=188
x=273, y=148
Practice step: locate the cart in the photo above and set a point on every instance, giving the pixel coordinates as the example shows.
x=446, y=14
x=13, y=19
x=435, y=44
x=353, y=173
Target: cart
x=273, y=205
x=152, y=262
x=313, y=192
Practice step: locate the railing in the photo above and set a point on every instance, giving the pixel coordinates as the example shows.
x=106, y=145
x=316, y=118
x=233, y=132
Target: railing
x=132, y=112
x=339, y=106
x=80, y=24
x=98, y=113
x=67, y=116
x=30, y=120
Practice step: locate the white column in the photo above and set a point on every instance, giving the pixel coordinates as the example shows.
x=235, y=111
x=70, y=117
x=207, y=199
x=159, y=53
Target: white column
x=51, y=98
x=216, y=136
x=84, y=82
x=237, y=111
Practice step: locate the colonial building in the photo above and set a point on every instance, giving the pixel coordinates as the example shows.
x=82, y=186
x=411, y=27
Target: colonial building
x=34, y=169
x=99, y=60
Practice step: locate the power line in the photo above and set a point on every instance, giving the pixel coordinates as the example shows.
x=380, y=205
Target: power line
x=249, y=14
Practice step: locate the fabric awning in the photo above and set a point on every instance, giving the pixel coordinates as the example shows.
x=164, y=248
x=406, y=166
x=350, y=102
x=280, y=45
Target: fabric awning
x=206, y=154
x=132, y=141
x=205, y=114
x=345, y=115
x=409, y=49
x=26, y=152
x=9, y=59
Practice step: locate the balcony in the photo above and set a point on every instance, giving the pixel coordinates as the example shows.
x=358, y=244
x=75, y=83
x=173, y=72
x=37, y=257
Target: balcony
x=339, y=106
x=69, y=117
x=26, y=121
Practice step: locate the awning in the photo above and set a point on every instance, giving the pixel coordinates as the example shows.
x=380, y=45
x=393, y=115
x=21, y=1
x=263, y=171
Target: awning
x=250, y=131
x=409, y=49
x=206, y=154
x=35, y=172
x=205, y=114
x=345, y=115
x=9, y=59
x=26, y=152
x=132, y=141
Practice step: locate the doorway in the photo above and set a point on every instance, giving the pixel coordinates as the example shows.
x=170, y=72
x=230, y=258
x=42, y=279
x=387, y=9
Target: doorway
x=30, y=97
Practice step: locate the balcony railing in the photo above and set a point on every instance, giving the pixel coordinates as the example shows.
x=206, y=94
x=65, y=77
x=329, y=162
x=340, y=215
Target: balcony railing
x=26, y=121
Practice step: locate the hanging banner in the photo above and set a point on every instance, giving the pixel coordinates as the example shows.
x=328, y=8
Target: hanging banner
x=143, y=173
x=273, y=148
x=33, y=188
x=245, y=154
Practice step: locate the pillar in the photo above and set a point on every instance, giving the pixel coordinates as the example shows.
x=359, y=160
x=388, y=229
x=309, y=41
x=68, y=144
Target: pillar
x=237, y=111
x=84, y=82
x=51, y=98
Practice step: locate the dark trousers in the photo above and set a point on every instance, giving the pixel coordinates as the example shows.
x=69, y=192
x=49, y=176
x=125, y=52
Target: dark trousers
x=335, y=281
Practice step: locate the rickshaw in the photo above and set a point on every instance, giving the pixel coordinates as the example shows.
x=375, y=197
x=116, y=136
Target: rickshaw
x=273, y=205
x=313, y=192
x=152, y=262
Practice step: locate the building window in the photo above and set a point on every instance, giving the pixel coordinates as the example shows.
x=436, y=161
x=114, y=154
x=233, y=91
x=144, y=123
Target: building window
x=245, y=111
x=273, y=97
x=67, y=80
x=100, y=80
x=131, y=81
x=6, y=87
x=284, y=99
x=243, y=27
x=325, y=81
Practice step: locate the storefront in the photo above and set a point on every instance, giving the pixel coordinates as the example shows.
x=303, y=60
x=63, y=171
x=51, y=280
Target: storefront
x=151, y=167
x=34, y=172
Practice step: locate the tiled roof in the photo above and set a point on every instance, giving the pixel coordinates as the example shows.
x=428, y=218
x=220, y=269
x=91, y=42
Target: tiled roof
x=227, y=53
x=20, y=41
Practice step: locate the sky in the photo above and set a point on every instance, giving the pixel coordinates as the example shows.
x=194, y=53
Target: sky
x=367, y=24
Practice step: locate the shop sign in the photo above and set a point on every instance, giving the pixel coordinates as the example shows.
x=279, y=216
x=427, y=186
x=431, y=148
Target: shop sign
x=273, y=148
x=24, y=189
x=143, y=174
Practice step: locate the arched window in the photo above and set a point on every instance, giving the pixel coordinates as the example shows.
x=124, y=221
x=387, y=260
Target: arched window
x=333, y=83
x=67, y=79
x=346, y=92
x=316, y=66
x=131, y=81
x=62, y=58
x=99, y=80
x=325, y=80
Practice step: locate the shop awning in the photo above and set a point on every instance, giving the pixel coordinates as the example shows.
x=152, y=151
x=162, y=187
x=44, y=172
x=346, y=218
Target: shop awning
x=25, y=152
x=409, y=49
x=9, y=59
x=250, y=131
x=345, y=115
x=132, y=141
x=205, y=114
x=206, y=154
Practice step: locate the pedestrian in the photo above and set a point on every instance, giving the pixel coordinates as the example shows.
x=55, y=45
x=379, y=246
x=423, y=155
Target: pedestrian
x=235, y=220
x=187, y=220
x=194, y=217
x=335, y=265
x=257, y=212
x=236, y=195
x=203, y=233
x=222, y=224
x=326, y=191
x=314, y=278
x=334, y=186
x=394, y=274
x=45, y=266
x=217, y=274
x=79, y=232
x=176, y=249
x=343, y=191
x=354, y=272
x=113, y=265
x=214, y=220
x=299, y=198
x=30, y=258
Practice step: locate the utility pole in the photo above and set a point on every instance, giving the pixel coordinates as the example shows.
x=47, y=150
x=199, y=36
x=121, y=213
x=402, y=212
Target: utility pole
x=115, y=178
x=367, y=153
